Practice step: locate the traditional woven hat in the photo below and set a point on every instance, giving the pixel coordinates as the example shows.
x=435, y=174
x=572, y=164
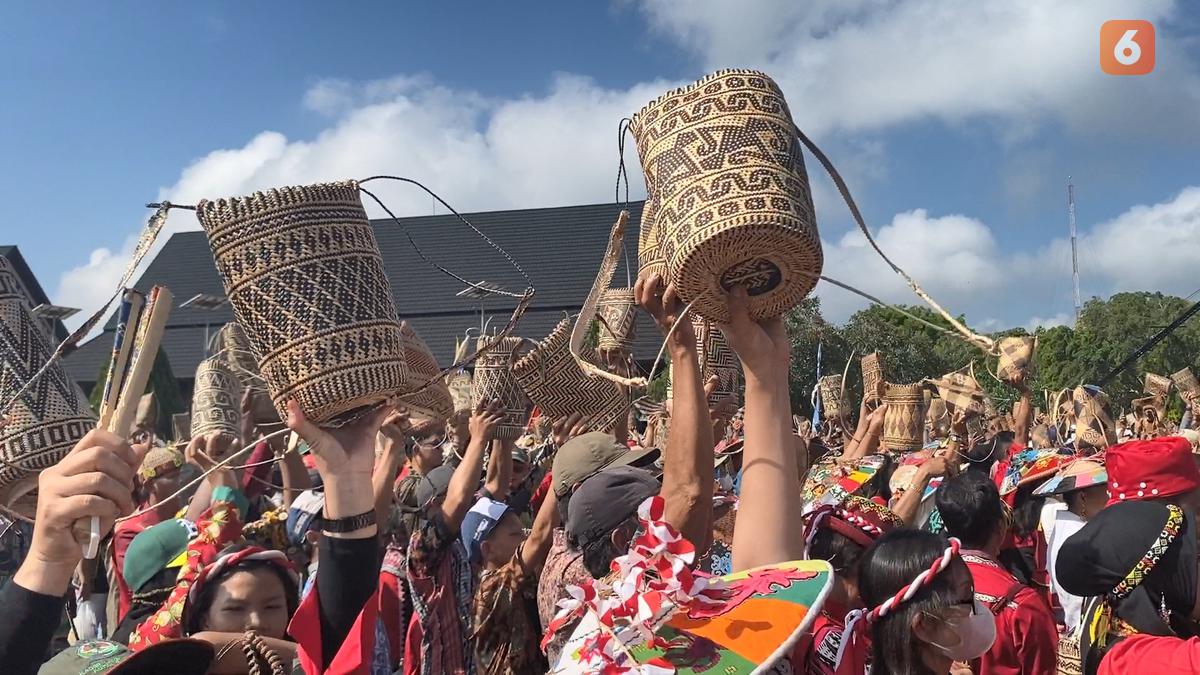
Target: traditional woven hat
x=873, y=377
x=831, y=395
x=426, y=394
x=303, y=273
x=494, y=380
x=46, y=421
x=732, y=203
x=1077, y=475
x=617, y=312
x=553, y=381
x=1157, y=385
x=1186, y=383
x=1015, y=357
x=904, y=419
x=216, y=400
x=160, y=461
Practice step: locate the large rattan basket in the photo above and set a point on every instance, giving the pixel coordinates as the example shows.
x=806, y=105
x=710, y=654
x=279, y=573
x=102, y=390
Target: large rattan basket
x=831, y=396
x=555, y=383
x=873, y=377
x=494, y=381
x=216, y=399
x=1186, y=383
x=904, y=419
x=728, y=194
x=303, y=273
x=46, y=422
x=425, y=393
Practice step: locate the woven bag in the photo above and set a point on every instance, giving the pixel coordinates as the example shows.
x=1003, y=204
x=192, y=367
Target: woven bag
x=1185, y=382
x=1094, y=422
x=961, y=392
x=617, y=312
x=303, y=273
x=1069, y=660
x=44, y=423
x=873, y=377
x=1157, y=385
x=216, y=399
x=831, y=395
x=1015, y=357
x=494, y=381
x=554, y=382
x=904, y=419
x=650, y=253
x=716, y=358
x=425, y=392
x=731, y=198
x=236, y=350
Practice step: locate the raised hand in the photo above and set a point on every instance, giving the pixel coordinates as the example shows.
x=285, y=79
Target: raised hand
x=665, y=307
x=487, y=417
x=762, y=346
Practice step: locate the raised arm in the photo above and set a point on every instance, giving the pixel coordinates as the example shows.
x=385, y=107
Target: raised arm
x=460, y=494
x=1022, y=413
x=389, y=453
x=295, y=476
x=537, y=546
x=500, y=469
x=767, y=530
x=688, y=461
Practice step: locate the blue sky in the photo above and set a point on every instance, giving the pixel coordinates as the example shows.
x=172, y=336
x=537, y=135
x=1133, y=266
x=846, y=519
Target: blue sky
x=956, y=124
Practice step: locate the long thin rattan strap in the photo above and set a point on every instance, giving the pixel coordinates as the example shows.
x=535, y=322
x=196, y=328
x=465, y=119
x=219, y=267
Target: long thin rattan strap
x=983, y=342
x=145, y=241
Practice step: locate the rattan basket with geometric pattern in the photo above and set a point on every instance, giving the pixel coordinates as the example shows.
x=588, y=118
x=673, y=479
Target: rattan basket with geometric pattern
x=617, y=313
x=555, y=383
x=46, y=422
x=904, y=419
x=302, y=270
x=873, y=377
x=1185, y=381
x=494, y=381
x=728, y=194
x=216, y=399
x=831, y=396
x=425, y=393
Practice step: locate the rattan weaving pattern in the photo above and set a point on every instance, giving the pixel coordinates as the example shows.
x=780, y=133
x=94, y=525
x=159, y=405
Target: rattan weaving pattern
x=425, y=392
x=904, y=419
x=556, y=384
x=494, y=381
x=617, y=311
x=303, y=273
x=216, y=399
x=732, y=203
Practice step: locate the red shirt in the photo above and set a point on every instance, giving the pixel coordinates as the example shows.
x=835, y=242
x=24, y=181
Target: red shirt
x=123, y=535
x=816, y=653
x=1152, y=654
x=1026, y=637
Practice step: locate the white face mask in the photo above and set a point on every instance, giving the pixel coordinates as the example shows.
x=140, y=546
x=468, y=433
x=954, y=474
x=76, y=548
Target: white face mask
x=976, y=632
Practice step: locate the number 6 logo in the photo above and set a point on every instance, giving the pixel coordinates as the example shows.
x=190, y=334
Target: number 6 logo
x=1127, y=47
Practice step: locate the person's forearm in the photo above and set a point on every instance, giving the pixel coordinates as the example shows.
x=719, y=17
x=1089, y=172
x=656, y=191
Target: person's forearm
x=45, y=578
x=382, y=480
x=541, y=536
x=295, y=476
x=687, y=465
x=501, y=477
x=460, y=494
x=200, y=501
x=906, y=507
x=29, y=618
x=767, y=529
x=348, y=495
x=1022, y=416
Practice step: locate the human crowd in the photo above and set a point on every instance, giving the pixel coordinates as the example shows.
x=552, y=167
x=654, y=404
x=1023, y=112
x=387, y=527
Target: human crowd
x=403, y=544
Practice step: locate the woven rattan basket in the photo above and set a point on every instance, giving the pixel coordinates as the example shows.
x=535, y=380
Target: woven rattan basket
x=302, y=270
x=873, y=377
x=961, y=393
x=44, y=423
x=904, y=419
x=716, y=358
x=236, y=350
x=1157, y=385
x=650, y=253
x=831, y=395
x=1015, y=357
x=1095, y=425
x=425, y=393
x=731, y=199
x=216, y=399
x=556, y=384
x=617, y=312
x=1186, y=383
x=494, y=381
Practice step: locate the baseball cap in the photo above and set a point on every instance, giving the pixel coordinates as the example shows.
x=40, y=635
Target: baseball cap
x=606, y=500
x=155, y=549
x=478, y=524
x=104, y=657
x=303, y=512
x=583, y=456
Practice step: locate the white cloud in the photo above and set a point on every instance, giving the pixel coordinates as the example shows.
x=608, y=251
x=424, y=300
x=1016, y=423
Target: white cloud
x=854, y=65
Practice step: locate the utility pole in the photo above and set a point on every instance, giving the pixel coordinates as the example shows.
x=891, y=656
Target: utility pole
x=1074, y=249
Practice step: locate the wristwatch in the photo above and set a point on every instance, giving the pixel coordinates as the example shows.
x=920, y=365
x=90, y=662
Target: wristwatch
x=349, y=524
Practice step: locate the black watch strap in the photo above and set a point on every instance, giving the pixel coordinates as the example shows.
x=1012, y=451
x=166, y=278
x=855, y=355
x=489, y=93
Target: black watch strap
x=350, y=524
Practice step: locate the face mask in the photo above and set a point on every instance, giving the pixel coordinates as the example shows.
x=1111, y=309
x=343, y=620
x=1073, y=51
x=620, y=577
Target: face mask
x=976, y=633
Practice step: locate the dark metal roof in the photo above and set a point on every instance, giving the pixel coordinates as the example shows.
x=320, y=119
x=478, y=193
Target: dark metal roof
x=37, y=296
x=559, y=248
